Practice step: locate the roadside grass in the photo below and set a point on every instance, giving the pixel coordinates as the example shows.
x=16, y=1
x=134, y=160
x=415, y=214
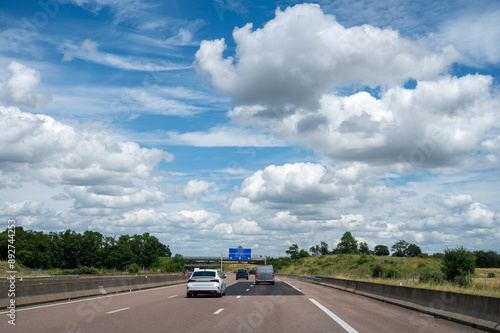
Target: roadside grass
x=489, y=286
x=396, y=271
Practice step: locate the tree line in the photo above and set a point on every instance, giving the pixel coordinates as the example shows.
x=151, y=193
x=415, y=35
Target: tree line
x=69, y=249
x=349, y=245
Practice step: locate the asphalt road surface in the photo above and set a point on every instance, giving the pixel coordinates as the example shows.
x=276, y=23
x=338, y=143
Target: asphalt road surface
x=288, y=306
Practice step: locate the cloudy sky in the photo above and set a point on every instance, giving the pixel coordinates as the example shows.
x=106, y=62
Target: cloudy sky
x=218, y=123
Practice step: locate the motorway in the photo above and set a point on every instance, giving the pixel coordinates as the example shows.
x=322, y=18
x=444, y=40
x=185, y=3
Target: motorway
x=288, y=306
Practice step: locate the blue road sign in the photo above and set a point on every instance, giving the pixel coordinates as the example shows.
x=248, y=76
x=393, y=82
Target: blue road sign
x=240, y=253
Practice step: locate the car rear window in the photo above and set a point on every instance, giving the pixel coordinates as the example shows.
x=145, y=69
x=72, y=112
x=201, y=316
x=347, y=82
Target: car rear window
x=265, y=268
x=204, y=273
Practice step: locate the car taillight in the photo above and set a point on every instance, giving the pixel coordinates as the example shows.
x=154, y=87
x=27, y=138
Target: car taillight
x=216, y=281
x=255, y=274
x=273, y=274
x=191, y=280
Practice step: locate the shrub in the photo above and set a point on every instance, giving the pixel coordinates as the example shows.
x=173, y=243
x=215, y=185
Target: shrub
x=173, y=264
x=431, y=277
x=391, y=274
x=362, y=259
x=87, y=270
x=457, y=263
x=80, y=270
x=378, y=271
x=134, y=268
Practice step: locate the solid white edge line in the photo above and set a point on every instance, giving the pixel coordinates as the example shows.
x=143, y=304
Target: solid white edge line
x=117, y=310
x=293, y=286
x=334, y=317
x=85, y=299
x=218, y=311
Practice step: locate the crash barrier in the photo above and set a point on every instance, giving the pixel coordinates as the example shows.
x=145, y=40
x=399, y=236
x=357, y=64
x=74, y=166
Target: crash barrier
x=29, y=292
x=482, y=312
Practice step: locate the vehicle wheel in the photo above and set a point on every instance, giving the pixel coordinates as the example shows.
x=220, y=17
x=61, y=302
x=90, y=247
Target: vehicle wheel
x=189, y=295
x=247, y=278
x=219, y=294
x=236, y=278
x=256, y=283
x=272, y=282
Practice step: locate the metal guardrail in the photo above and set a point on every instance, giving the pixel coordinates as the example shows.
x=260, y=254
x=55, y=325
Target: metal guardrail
x=42, y=277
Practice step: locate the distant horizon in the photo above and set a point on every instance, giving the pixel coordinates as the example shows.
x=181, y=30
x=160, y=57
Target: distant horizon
x=213, y=124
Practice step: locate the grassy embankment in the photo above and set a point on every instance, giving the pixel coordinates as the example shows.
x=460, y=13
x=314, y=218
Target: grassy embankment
x=405, y=271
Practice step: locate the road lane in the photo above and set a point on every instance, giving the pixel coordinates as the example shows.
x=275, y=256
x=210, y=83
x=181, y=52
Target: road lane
x=283, y=307
x=368, y=315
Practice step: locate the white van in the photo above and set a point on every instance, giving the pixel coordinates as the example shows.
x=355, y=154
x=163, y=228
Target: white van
x=264, y=273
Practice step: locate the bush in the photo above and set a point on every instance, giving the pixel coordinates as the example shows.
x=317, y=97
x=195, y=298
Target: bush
x=134, y=268
x=431, y=277
x=457, y=264
x=80, y=270
x=378, y=271
x=87, y=270
x=391, y=274
x=173, y=264
x=362, y=259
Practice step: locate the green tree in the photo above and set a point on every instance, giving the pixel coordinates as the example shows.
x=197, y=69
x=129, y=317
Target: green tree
x=294, y=252
x=319, y=249
x=109, y=253
x=152, y=250
x=323, y=249
x=381, y=250
x=413, y=250
x=91, y=243
x=489, y=259
x=303, y=254
x=71, y=249
x=363, y=248
x=348, y=244
x=314, y=250
x=399, y=249
x=457, y=263
x=174, y=264
x=124, y=255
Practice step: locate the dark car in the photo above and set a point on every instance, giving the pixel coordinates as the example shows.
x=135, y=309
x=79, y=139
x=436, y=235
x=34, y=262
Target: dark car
x=242, y=274
x=252, y=271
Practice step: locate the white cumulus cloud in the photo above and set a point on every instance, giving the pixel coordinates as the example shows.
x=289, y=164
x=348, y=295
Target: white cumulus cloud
x=301, y=53
x=20, y=89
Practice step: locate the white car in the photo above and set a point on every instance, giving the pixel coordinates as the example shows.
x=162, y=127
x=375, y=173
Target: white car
x=206, y=281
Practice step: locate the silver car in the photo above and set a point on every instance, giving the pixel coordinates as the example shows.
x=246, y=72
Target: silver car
x=206, y=281
x=264, y=273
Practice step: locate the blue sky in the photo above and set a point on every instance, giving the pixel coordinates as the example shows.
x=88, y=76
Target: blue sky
x=215, y=124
